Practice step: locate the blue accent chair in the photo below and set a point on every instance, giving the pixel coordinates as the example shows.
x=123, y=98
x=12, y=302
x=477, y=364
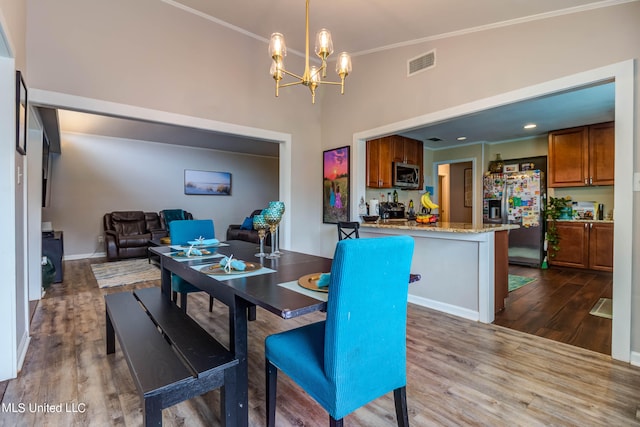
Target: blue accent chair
x=359, y=352
x=182, y=231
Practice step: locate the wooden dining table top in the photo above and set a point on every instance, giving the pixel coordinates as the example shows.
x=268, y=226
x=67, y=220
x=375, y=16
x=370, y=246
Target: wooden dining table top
x=262, y=290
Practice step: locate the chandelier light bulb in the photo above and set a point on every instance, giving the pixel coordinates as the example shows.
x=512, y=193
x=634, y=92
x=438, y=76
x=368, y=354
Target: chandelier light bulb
x=276, y=69
x=343, y=66
x=324, y=45
x=314, y=74
x=277, y=47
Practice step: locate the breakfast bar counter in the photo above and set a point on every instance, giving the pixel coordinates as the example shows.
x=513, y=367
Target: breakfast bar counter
x=450, y=227
x=463, y=267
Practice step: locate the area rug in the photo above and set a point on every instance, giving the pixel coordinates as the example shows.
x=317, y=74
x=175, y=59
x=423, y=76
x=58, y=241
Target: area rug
x=603, y=308
x=516, y=282
x=120, y=273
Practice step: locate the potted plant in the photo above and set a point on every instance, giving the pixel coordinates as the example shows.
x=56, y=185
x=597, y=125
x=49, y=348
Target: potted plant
x=556, y=208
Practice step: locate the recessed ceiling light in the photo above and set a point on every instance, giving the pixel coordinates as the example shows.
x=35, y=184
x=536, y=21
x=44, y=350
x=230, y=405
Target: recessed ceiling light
x=462, y=138
x=530, y=126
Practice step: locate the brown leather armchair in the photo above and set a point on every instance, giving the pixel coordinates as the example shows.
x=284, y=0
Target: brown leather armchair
x=127, y=233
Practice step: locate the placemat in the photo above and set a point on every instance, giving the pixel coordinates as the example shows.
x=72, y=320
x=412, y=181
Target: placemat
x=192, y=258
x=263, y=270
x=183, y=247
x=294, y=286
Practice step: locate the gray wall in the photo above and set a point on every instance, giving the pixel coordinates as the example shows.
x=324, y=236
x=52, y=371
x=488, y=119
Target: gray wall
x=95, y=175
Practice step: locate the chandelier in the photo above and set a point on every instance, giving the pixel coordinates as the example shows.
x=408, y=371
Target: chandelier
x=312, y=76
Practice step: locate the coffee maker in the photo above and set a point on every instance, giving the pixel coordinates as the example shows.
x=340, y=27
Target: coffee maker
x=391, y=210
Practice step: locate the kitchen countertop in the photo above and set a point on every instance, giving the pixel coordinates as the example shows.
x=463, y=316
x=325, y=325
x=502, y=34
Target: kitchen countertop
x=604, y=221
x=448, y=227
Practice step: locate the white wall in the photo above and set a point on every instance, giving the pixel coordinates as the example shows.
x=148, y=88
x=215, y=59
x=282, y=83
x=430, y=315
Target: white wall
x=34, y=206
x=13, y=334
x=8, y=340
x=95, y=175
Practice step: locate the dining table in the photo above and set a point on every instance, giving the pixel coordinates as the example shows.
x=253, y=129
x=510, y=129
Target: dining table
x=269, y=283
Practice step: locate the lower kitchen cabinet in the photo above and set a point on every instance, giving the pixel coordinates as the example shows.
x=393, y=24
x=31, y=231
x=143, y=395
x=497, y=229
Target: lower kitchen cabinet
x=587, y=245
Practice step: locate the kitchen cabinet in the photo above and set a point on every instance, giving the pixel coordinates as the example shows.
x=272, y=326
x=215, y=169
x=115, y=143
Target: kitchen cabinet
x=379, y=163
x=587, y=245
x=582, y=156
x=407, y=150
x=601, y=246
x=501, y=269
x=383, y=152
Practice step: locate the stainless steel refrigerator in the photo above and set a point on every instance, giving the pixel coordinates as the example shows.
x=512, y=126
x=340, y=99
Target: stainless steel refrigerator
x=518, y=198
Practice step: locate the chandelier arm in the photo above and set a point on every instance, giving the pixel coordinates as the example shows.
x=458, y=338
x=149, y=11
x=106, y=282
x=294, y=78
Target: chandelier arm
x=289, y=73
x=323, y=82
x=292, y=84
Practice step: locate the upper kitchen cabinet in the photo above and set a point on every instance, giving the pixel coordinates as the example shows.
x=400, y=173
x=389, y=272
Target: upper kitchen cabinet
x=407, y=150
x=601, y=154
x=379, y=163
x=383, y=152
x=582, y=156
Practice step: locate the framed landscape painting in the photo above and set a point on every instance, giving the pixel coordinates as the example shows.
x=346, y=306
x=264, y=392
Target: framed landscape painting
x=207, y=183
x=335, y=184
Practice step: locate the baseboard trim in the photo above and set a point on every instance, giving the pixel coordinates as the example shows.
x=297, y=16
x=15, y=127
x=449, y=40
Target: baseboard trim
x=83, y=256
x=445, y=308
x=635, y=358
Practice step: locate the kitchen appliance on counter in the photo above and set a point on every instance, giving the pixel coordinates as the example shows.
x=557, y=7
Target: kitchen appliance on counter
x=391, y=210
x=518, y=198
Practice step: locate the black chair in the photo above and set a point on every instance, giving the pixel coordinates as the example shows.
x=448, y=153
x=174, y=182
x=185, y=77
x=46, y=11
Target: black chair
x=348, y=230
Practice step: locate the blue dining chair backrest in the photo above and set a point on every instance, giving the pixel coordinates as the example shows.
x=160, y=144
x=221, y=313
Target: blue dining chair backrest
x=359, y=352
x=183, y=231
x=365, y=332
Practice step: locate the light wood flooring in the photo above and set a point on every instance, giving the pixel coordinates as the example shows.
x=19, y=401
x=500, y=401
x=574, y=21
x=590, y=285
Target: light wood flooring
x=557, y=304
x=460, y=373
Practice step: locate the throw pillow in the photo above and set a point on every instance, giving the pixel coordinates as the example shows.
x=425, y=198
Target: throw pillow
x=247, y=224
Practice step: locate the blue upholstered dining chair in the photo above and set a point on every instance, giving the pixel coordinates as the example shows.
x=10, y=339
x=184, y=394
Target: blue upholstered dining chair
x=359, y=352
x=182, y=231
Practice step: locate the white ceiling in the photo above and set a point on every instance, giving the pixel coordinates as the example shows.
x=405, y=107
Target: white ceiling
x=359, y=26
x=384, y=24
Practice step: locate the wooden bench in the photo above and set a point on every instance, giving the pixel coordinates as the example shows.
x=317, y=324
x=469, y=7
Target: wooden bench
x=170, y=356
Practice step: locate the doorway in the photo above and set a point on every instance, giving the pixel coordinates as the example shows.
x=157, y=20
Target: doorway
x=455, y=184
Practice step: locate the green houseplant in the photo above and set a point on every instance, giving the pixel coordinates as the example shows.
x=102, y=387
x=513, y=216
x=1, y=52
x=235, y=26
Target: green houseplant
x=555, y=208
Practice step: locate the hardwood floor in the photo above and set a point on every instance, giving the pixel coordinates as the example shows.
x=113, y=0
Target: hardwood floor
x=460, y=373
x=557, y=304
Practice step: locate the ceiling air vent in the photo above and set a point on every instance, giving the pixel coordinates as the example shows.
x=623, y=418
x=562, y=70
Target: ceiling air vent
x=421, y=63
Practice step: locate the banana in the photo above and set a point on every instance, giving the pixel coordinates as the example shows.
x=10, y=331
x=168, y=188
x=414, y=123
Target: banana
x=427, y=202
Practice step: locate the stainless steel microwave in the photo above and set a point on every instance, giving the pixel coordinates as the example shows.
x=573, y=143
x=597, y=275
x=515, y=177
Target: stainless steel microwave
x=406, y=176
